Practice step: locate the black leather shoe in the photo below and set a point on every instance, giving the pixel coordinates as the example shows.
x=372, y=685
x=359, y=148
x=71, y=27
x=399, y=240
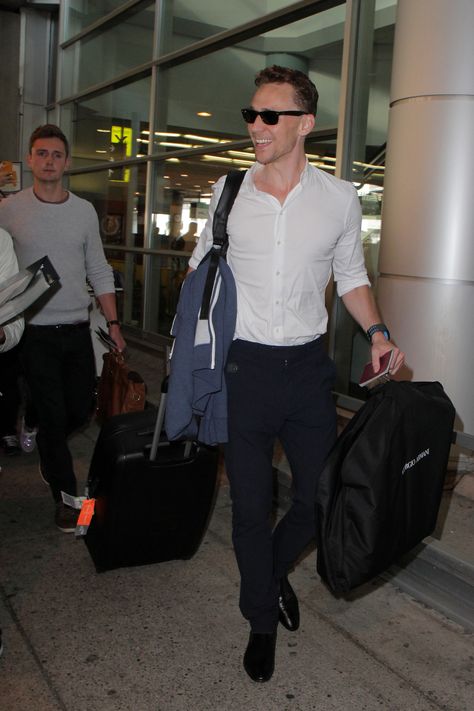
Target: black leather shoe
x=288, y=608
x=259, y=657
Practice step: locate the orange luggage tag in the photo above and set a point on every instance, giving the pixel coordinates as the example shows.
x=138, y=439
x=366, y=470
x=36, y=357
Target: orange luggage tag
x=85, y=517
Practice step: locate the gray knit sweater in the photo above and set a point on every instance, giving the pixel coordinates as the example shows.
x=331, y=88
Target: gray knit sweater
x=68, y=233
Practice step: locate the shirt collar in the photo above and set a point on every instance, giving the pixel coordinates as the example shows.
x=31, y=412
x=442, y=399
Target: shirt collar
x=249, y=178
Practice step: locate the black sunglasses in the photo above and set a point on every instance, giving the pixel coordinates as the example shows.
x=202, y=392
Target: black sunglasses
x=267, y=115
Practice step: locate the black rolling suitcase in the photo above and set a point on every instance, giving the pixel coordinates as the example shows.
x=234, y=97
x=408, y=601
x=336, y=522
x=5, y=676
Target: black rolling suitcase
x=152, y=497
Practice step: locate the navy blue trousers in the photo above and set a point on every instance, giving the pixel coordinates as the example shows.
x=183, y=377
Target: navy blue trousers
x=59, y=368
x=285, y=393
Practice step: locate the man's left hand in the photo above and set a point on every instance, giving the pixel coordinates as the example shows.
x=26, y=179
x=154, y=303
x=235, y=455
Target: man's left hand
x=380, y=346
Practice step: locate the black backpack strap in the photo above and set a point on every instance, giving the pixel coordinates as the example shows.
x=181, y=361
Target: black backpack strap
x=232, y=185
x=219, y=233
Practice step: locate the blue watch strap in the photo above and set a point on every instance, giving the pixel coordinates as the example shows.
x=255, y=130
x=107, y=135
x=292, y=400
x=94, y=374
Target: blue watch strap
x=378, y=327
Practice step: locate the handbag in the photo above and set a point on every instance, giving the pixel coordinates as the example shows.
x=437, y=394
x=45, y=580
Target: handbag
x=120, y=389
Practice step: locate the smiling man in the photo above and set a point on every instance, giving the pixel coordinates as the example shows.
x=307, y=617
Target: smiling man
x=57, y=350
x=291, y=227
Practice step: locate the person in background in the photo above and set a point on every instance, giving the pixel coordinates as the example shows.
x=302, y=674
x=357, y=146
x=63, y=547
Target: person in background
x=10, y=334
x=28, y=431
x=189, y=237
x=9, y=337
x=57, y=352
x=291, y=226
x=10, y=397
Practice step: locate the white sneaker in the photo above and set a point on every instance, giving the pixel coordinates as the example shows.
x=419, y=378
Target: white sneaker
x=27, y=437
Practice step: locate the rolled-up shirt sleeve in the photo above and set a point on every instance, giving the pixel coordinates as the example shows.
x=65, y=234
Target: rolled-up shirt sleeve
x=348, y=263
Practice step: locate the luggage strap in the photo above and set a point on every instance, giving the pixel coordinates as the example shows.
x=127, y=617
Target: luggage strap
x=219, y=234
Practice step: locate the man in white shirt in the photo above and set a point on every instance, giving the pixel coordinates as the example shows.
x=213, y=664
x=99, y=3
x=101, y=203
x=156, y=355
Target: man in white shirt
x=291, y=226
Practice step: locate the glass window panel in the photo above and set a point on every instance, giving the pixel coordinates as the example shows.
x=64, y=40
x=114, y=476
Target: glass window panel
x=188, y=21
x=79, y=14
x=367, y=154
x=189, y=107
x=108, y=126
x=166, y=275
x=322, y=154
x=120, y=208
x=103, y=55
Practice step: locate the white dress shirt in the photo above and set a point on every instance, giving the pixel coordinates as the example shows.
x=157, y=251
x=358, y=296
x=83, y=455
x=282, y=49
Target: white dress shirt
x=282, y=256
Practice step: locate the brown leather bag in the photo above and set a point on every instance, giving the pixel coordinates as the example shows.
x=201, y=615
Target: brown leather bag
x=120, y=389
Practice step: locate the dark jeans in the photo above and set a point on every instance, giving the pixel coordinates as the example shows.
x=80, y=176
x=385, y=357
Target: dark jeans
x=10, y=393
x=284, y=393
x=59, y=368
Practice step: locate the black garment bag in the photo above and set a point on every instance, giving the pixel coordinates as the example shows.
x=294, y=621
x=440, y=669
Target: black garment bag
x=380, y=490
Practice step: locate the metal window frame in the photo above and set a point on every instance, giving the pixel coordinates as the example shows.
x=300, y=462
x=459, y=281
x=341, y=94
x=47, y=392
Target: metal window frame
x=221, y=40
x=103, y=23
x=227, y=38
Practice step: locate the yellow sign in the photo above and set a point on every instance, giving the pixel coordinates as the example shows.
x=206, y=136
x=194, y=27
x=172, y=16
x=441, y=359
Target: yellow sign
x=121, y=147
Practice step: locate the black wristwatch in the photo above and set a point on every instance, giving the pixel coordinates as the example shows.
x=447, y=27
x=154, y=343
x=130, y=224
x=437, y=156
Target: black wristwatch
x=114, y=322
x=378, y=327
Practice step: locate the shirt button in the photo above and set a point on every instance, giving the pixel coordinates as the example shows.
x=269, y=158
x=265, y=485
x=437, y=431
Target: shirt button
x=278, y=273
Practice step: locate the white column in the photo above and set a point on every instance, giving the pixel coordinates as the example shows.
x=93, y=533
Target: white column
x=426, y=284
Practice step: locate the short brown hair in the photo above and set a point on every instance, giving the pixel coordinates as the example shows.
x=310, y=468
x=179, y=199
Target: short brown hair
x=49, y=130
x=306, y=94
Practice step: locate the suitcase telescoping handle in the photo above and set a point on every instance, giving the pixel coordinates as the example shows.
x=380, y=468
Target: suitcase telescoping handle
x=160, y=418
